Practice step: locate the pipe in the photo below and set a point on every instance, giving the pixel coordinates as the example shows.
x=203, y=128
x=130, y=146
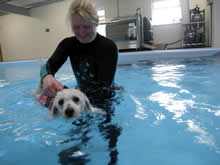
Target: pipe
x=138, y=27
x=117, y=6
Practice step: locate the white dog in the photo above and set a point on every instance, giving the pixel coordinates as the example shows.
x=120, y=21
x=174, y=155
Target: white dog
x=70, y=103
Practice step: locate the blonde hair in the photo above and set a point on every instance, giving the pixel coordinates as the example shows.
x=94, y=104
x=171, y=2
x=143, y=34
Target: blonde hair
x=85, y=9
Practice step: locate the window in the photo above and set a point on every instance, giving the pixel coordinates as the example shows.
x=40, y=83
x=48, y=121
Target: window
x=101, y=28
x=166, y=12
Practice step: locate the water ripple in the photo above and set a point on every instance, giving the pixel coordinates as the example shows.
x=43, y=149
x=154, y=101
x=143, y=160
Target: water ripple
x=167, y=75
x=6, y=125
x=2, y=111
x=140, y=110
x=204, y=136
x=167, y=100
x=179, y=108
x=3, y=83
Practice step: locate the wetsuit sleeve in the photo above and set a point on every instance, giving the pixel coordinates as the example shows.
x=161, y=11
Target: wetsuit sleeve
x=108, y=64
x=43, y=71
x=57, y=59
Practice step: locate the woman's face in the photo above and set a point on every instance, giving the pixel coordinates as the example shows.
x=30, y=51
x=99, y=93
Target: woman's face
x=84, y=31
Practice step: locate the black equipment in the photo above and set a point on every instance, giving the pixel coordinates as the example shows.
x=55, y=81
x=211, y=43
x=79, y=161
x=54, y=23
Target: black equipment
x=194, y=35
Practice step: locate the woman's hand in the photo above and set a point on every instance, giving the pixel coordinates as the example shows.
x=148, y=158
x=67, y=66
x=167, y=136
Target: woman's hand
x=51, y=86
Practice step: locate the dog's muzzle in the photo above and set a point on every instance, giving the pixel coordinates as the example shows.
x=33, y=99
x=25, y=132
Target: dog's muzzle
x=69, y=112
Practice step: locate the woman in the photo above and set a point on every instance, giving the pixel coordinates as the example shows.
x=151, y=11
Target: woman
x=93, y=57
x=94, y=61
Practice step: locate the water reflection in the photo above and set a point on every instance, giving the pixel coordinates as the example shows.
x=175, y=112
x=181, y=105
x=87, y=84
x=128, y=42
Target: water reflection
x=167, y=75
x=3, y=83
x=170, y=76
x=5, y=125
x=209, y=108
x=2, y=111
x=204, y=137
x=75, y=155
x=140, y=109
x=169, y=102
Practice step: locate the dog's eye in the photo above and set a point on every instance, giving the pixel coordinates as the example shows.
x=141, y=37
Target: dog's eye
x=61, y=101
x=75, y=99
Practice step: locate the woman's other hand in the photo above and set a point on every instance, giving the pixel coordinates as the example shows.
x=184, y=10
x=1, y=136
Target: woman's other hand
x=51, y=86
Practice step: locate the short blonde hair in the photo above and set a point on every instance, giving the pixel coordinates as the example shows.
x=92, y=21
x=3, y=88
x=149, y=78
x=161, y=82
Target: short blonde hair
x=85, y=9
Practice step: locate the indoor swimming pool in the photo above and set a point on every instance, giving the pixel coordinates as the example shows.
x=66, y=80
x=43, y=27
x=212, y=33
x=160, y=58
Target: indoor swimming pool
x=167, y=114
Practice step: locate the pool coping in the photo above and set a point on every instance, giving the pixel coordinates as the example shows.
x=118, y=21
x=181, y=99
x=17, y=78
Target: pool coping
x=130, y=57
x=135, y=57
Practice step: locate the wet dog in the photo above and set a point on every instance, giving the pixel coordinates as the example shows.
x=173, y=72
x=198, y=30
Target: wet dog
x=71, y=103
x=67, y=103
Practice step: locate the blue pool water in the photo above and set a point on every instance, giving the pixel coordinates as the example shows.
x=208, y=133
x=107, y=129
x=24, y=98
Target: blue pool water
x=169, y=113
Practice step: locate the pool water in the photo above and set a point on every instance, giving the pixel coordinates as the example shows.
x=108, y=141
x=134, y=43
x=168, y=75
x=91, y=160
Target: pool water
x=168, y=113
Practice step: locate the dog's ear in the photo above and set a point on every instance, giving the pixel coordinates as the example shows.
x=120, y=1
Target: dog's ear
x=54, y=113
x=90, y=108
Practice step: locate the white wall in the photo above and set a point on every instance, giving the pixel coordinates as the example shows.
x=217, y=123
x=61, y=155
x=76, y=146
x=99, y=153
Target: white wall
x=201, y=3
x=24, y=37
x=167, y=34
x=21, y=38
x=128, y=7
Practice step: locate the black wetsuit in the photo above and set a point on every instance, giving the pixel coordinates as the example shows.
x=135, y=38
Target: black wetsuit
x=92, y=63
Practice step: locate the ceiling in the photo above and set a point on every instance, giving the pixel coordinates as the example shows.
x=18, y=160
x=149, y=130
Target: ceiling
x=22, y=6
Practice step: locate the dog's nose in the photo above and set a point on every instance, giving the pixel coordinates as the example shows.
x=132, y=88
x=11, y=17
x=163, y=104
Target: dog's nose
x=69, y=112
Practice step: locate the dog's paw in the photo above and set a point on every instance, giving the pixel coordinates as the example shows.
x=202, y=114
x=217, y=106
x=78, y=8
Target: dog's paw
x=99, y=111
x=49, y=117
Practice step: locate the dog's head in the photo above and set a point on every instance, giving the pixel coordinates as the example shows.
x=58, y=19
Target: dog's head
x=70, y=103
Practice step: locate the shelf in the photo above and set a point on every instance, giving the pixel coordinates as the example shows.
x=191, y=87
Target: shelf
x=191, y=23
x=194, y=44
